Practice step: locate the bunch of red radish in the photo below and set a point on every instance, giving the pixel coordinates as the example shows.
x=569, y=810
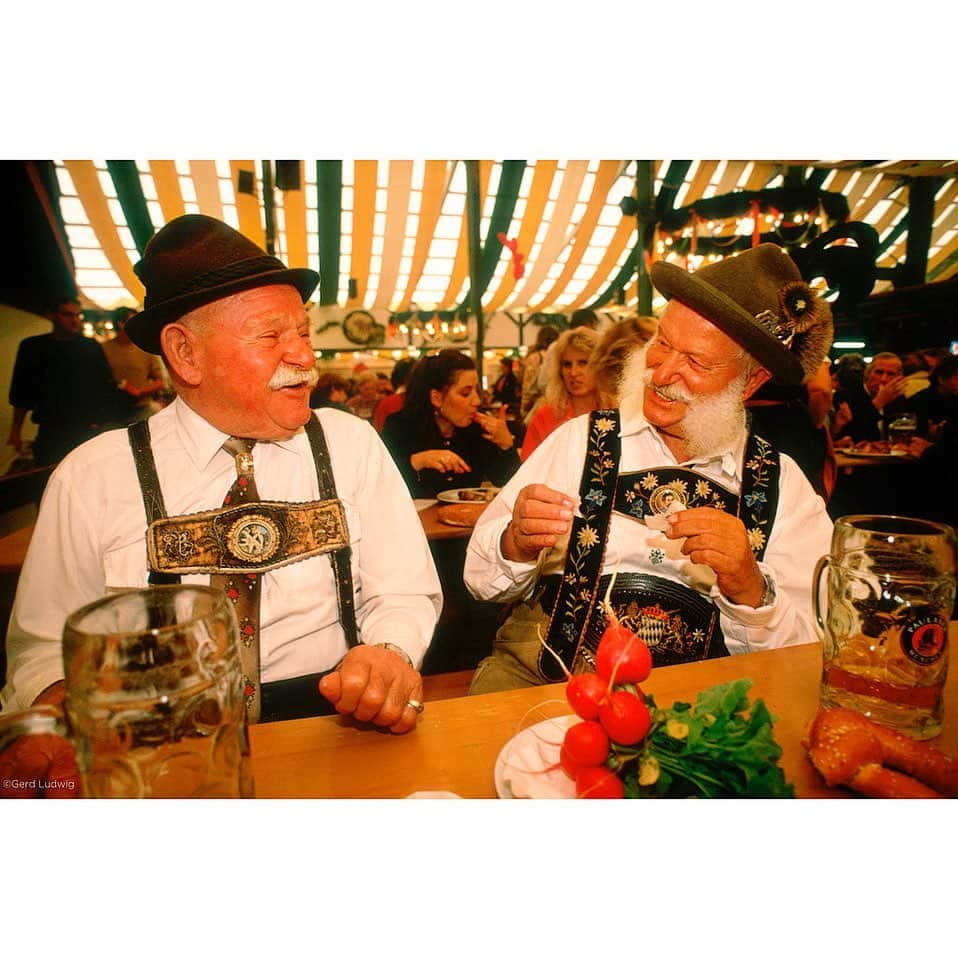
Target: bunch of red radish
x=612, y=709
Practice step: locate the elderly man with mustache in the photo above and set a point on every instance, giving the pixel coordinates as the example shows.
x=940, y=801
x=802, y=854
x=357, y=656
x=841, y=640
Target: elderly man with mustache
x=331, y=621
x=698, y=534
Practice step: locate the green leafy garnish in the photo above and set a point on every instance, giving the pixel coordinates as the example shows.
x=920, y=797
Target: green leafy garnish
x=718, y=748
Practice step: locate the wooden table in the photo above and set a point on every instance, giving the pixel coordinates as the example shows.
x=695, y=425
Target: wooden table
x=847, y=462
x=13, y=549
x=455, y=745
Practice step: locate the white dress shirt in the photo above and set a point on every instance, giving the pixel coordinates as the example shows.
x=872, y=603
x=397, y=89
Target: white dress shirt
x=90, y=539
x=800, y=534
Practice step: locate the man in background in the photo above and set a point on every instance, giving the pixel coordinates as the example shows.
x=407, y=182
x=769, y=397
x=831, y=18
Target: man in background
x=63, y=379
x=865, y=417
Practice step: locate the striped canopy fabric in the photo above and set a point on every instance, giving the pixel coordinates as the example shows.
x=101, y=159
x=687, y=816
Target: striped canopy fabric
x=390, y=238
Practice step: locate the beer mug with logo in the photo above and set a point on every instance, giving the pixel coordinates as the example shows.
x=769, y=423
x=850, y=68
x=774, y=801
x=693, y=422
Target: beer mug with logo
x=890, y=595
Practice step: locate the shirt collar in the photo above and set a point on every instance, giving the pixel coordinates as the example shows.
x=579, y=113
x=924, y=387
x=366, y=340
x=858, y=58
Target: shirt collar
x=203, y=441
x=634, y=422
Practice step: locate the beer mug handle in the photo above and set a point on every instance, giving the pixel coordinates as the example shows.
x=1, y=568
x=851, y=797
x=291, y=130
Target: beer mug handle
x=820, y=567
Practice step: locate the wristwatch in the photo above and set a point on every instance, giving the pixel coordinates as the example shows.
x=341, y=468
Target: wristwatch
x=768, y=596
x=396, y=649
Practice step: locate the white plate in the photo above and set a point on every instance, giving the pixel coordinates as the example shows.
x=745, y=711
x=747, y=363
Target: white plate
x=520, y=767
x=452, y=495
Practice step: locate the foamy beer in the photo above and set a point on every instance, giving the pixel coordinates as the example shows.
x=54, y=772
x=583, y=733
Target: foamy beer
x=890, y=596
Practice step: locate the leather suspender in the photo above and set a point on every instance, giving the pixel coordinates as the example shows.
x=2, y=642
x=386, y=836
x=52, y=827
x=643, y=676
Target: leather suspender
x=139, y=437
x=340, y=559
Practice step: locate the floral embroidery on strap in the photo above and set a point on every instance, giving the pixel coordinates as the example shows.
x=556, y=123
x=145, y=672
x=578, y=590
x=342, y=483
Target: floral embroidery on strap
x=577, y=591
x=759, y=499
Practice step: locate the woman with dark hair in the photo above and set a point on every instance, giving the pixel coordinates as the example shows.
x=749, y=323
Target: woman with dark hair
x=439, y=439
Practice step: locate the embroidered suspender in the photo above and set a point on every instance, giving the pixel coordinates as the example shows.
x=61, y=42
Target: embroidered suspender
x=577, y=591
x=572, y=626
x=139, y=437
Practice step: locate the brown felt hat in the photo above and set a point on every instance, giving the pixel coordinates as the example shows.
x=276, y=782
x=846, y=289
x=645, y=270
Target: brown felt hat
x=759, y=299
x=194, y=260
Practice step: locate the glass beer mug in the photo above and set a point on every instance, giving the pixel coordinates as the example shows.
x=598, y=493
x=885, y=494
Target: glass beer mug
x=890, y=595
x=154, y=701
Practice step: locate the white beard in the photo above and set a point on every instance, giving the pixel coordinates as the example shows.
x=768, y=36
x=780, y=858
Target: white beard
x=710, y=425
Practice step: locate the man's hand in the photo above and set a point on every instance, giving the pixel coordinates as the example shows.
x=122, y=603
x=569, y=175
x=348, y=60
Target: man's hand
x=890, y=391
x=540, y=516
x=718, y=540
x=373, y=685
x=442, y=460
x=843, y=416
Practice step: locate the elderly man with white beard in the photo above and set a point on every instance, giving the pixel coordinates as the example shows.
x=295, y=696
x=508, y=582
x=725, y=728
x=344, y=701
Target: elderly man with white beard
x=667, y=512
x=329, y=620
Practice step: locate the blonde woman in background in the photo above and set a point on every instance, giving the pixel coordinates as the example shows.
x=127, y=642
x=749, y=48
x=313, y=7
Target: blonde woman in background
x=611, y=353
x=570, y=386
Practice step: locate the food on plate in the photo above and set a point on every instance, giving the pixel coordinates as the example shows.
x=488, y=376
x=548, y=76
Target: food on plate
x=879, y=447
x=485, y=494
x=461, y=513
x=627, y=747
x=848, y=749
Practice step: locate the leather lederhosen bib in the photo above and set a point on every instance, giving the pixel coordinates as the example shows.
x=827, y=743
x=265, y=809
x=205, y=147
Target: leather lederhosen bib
x=678, y=623
x=318, y=513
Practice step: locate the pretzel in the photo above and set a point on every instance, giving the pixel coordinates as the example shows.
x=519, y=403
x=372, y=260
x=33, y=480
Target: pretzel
x=848, y=749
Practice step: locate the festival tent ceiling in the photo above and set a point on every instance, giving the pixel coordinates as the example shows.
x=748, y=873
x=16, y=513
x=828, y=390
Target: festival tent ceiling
x=390, y=238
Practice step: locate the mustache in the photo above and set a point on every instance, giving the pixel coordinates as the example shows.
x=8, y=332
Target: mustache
x=672, y=393
x=293, y=376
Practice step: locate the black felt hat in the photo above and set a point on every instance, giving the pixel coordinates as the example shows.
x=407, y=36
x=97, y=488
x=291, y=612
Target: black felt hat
x=760, y=300
x=194, y=260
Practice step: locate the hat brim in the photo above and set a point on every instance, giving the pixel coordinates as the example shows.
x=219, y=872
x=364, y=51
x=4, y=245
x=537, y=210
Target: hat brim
x=144, y=328
x=722, y=311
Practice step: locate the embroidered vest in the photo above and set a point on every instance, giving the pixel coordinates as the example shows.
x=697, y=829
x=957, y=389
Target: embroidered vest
x=678, y=623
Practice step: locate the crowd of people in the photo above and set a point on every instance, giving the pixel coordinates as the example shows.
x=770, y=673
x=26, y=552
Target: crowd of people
x=639, y=462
